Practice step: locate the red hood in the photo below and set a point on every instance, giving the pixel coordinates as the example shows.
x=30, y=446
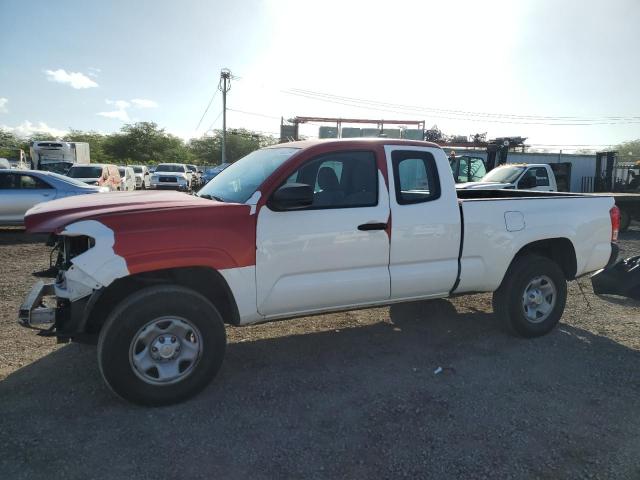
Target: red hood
x=54, y=215
x=159, y=230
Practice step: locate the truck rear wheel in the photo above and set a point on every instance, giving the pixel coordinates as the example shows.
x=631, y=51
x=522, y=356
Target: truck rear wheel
x=532, y=296
x=161, y=345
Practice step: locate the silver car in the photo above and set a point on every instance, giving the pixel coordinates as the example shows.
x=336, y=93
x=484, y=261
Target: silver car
x=22, y=189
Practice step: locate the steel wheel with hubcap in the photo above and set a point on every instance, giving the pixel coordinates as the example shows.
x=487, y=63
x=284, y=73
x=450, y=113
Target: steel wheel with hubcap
x=165, y=350
x=161, y=345
x=539, y=298
x=532, y=295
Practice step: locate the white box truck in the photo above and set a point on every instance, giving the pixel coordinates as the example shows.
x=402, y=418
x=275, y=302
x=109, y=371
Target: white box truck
x=55, y=156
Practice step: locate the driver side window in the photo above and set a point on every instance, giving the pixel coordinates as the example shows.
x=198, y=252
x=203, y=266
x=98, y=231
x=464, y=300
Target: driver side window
x=340, y=180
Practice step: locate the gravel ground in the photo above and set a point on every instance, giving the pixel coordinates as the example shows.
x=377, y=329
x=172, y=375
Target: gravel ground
x=350, y=395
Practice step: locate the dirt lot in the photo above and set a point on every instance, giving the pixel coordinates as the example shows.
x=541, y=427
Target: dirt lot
x=350, y=395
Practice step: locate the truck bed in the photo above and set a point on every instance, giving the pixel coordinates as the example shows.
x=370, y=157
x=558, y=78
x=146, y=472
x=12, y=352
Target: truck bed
x=498, y=223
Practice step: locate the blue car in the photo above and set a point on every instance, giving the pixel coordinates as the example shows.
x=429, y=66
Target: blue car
x=212, y=170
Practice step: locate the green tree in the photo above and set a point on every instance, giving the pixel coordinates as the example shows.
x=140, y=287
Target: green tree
x=10, y=144
x=96, y=144
x=145, y=142
x=240, y=142
x=206, y=150
x=629, y=151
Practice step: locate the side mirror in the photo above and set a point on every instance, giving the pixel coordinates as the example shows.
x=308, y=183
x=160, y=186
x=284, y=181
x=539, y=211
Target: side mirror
x=291, y=196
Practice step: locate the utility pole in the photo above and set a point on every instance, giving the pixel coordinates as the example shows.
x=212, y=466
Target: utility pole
x=224, y=86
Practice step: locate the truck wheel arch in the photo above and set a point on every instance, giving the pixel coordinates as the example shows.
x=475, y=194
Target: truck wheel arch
x=560, y=250
x=204, y=280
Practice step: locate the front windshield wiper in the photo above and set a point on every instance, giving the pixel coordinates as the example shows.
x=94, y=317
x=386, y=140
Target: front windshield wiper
x=211, y=197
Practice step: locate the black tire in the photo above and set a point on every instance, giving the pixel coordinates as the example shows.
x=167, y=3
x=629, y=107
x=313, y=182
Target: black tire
x=136, y=311
x=625, y=220
x=508, y=302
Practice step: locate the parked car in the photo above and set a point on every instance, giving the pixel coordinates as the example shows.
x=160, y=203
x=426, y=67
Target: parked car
x=152, y=168
x=297, y=229
x=22, y=189
x=127, y=179
x=143, y=176
x=4, y=163
x=210, y=171
x=103, y=175
x=174, y=176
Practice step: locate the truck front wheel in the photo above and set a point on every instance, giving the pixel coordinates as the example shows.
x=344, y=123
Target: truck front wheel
x=161, y=345
x=532, y=296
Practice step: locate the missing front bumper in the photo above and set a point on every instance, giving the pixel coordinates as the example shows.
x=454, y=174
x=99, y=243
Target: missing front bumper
x=32, y=312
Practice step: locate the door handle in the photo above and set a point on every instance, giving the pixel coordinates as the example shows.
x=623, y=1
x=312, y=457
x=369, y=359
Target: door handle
x=372, y=226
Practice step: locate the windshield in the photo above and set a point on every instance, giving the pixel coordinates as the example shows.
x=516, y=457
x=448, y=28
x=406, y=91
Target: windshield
x=216, y=168
x=192, y=168
x=503, y=174
x=166, y=167
x=137, y=169
x=57, y=167
x=85, y=172
x=240, y=180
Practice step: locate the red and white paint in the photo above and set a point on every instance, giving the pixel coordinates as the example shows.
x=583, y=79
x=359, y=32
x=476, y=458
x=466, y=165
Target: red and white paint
x=280, y=264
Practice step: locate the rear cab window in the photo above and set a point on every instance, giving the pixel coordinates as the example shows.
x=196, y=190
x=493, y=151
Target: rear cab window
x=415, y=176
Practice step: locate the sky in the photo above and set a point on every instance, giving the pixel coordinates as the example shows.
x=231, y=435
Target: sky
x=562, y=73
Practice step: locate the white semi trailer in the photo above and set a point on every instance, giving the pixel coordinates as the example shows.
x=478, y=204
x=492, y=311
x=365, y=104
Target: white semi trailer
x=55, y=156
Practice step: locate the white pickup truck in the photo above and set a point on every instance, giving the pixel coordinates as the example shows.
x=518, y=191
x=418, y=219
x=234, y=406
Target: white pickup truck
x=297, y=229
x=534, y=176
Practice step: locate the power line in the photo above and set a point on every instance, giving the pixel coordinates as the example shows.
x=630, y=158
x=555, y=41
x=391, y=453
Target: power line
x=463, y=112
x=253, y=113
x=207, y=109
x=492, y=118
x=213, y=123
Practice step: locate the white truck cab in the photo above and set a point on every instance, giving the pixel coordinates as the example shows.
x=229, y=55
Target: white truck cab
x=534, y=176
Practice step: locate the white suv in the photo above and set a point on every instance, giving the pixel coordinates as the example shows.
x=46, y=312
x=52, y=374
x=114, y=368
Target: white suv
x=171, y=175
x=143, y=177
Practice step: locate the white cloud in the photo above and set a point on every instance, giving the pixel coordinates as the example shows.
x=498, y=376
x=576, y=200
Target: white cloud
x=76, y=80
x=121, y=112
x=120, y=104
x=144, y=103
x=28, y=128
x=3, y=105
x=121, y=115
x=93, y=71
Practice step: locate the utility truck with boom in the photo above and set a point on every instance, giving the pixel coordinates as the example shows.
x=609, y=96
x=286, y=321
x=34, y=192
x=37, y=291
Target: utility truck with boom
x=297, y=229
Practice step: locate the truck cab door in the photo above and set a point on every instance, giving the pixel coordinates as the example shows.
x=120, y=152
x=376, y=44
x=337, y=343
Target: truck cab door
x=426, y=224
x=535, y=178
x=334, y=253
